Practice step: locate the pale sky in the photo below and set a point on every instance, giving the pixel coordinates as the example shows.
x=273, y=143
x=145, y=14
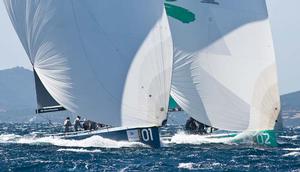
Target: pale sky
x=285, y=21
x=11, y=51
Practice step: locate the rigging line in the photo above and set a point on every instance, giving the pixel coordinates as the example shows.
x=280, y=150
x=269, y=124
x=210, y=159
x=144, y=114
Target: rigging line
x=214, y=24
x=104, y=33
x=174, y=121
x=49, y=121
x=114, y=99
x=210, y=31
x=84, y=50
x=117, y=51
x=162, y=58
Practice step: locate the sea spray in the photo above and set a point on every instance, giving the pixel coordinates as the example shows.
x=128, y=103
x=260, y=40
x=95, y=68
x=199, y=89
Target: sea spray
x=183, y=138
x=94, y=141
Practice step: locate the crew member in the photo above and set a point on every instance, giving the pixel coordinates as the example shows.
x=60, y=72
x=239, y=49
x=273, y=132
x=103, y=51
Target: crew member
x=89, y=125
x=77, y=123
x=67, y=124
x=192, y=126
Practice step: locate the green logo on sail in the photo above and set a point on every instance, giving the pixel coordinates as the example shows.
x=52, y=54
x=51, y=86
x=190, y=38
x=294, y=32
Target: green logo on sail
x=179, y=13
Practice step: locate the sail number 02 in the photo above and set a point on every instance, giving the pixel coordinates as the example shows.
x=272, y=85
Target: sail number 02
x=147, y=134
x=263, y=138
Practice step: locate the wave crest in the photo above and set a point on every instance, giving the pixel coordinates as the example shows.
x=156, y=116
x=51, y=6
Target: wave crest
x=94, y=141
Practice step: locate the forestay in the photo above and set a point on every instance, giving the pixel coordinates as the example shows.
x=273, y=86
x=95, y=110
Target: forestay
x=224, y=64
x=109, y=61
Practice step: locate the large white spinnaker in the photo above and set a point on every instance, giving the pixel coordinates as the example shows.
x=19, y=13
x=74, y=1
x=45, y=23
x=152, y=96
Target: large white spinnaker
x=224, y=64
x=109, y=61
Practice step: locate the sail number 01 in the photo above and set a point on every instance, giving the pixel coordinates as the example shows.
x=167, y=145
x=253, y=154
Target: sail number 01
x=147, y=134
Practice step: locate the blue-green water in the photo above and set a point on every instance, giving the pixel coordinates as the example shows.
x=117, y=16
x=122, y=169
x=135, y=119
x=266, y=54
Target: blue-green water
x=21, y=150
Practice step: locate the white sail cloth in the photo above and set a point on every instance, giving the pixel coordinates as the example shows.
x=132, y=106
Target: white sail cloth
x=109, y=61
x=224, y=64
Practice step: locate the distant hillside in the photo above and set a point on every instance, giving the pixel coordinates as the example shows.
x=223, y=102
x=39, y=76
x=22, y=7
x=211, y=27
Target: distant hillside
x=290, y=108
x=18, y=98
x=17, y=89
x=291, y=101
x=17, y=94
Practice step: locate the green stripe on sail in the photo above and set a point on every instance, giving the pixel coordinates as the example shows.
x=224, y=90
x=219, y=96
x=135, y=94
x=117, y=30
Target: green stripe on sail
x=179, y=13
x=172, y=103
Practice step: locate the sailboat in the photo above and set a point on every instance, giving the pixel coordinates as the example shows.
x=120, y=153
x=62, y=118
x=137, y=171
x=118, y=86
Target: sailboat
x=108, y=61
x=224, y=72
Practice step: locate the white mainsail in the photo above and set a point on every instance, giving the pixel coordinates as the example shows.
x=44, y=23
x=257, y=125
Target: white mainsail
x=224, y=64
x=109, y=61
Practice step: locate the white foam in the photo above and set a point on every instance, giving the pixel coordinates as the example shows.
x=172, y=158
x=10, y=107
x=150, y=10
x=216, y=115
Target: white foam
x=216, y=164
x=94, y=141
x=189, y=165
x=290, y=137
x=81, y=150
x=182, y=138
x=8, y=137
x=33, y=119
x=292, y=154
x=198, y=166
x=224, y=138
x=292, y=149
x=124, y=169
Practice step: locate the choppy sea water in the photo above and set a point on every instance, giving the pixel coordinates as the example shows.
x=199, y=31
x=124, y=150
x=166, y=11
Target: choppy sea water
x=22, y=149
